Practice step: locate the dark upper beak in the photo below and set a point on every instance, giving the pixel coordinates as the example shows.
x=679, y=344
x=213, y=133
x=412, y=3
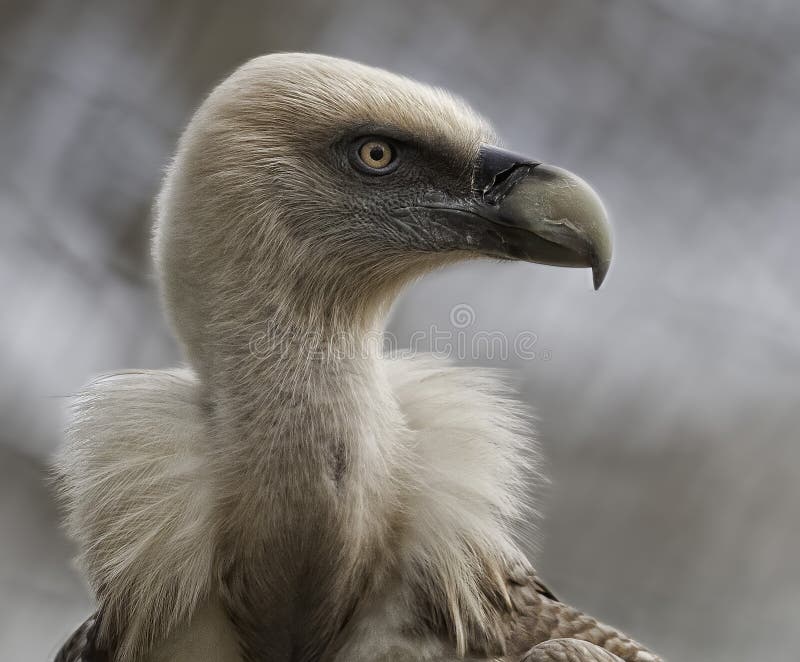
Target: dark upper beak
x=543, y=213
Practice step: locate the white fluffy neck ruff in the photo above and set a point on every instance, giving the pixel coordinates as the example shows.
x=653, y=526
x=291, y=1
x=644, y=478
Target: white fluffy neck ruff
x=419, y=468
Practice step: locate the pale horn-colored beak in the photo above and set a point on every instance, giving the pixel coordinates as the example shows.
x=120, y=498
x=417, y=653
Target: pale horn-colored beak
x=563, y=219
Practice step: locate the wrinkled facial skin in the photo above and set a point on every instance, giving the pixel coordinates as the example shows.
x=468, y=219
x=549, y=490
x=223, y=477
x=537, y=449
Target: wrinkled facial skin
x=341, y=211
x=391, y=208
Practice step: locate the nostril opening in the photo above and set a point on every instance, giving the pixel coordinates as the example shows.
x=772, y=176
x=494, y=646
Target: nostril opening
x=500, y=177
x=502, y=183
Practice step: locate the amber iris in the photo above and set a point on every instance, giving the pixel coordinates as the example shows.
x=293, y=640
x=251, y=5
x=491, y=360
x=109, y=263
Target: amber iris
x=376, y=154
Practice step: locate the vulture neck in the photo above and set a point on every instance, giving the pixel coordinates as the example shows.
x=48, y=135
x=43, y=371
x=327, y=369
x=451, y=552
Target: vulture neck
x=308, y=425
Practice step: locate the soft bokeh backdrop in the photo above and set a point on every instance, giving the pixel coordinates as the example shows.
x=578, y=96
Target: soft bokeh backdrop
x=669, y=402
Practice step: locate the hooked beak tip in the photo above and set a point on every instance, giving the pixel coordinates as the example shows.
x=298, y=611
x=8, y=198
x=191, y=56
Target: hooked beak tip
x=566, y=220
x=599, y=272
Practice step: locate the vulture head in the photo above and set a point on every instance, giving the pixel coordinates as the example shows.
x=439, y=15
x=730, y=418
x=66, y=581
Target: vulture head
x=314, y=188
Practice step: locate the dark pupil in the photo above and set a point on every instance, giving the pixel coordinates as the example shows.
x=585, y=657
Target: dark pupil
x=376, y=153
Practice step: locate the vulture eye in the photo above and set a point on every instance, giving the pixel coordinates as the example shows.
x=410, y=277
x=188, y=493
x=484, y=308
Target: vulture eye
x=375, y=156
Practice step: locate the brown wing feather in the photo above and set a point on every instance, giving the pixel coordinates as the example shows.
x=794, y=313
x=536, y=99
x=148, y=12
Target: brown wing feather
x=569, y=650
x=537, y=616
x=83, y=645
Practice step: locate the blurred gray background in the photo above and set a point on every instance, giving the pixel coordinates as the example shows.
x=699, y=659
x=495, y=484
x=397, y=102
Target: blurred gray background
x=669, y=402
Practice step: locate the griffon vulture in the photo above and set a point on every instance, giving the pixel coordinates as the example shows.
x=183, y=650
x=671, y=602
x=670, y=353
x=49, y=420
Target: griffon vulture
x=292, y=494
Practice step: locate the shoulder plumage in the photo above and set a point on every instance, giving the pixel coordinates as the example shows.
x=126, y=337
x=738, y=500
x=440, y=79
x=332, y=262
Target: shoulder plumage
x=133, y=483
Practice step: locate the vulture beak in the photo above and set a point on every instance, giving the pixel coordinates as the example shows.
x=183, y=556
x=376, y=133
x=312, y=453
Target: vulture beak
x=536, y=212
x=554, y=216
